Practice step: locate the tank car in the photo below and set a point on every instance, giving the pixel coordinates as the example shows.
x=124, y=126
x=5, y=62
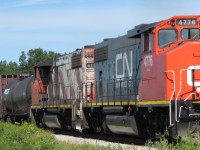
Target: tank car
x=143, y=83
x=4, y=80
x=17, y=99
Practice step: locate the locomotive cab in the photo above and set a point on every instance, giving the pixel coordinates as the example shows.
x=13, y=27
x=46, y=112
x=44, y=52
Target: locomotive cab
x=41, y=91
x=170, y=72
x=167, y=47
x=171, y=54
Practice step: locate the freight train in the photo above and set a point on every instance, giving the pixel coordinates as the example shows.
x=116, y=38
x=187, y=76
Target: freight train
x=142, y=84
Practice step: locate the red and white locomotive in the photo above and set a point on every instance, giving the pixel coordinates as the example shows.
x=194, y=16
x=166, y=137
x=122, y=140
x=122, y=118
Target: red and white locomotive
x=142, y=83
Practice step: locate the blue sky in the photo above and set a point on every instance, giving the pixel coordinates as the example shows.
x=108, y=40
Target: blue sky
x=64, y=25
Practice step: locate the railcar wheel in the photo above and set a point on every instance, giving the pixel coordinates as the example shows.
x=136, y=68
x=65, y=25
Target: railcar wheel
x=9, y=119
x=104, y=126
x=32, y=119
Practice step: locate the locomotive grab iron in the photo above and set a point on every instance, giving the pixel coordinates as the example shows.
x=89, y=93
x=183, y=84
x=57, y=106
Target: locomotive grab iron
x=143, y=83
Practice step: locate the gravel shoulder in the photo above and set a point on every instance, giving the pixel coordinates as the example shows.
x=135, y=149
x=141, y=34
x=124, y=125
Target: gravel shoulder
x=80, y=140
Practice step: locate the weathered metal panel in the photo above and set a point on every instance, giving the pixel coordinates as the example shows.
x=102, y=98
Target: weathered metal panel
x=35, y=92
x=60, y=77
x=71, y=80
x=89, y=76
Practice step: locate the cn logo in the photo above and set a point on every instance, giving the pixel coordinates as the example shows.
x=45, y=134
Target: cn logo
x=125, y=64
x=189, y=75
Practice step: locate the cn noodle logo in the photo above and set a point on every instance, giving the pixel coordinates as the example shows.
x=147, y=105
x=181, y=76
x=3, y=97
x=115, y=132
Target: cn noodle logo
x=189, y=76
x=6, y=91
x=126, y=59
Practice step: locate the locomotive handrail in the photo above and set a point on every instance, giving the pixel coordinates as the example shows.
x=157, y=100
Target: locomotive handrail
x=176, y=100
x=180, y=92
x=189, y=96
x=111, y=95
x=170, y=105
x=182, y=106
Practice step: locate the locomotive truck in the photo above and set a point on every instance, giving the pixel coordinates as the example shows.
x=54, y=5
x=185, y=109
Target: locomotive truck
x=143, y=84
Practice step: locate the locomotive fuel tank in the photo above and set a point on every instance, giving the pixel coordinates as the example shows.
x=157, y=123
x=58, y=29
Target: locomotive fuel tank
x=52, y=121
x=122, y=124
x=17, y=96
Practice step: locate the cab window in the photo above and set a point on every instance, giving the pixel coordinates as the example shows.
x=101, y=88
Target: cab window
x=190, y=34
x=147, y=42
x=166, y=37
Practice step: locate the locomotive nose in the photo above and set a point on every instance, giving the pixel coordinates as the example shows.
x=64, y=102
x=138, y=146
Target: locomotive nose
x=184, y=61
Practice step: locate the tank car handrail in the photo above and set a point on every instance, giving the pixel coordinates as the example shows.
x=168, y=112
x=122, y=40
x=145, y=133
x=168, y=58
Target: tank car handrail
x=170, y=105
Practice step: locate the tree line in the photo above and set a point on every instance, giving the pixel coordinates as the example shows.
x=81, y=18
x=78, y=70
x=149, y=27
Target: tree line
x=26, y=61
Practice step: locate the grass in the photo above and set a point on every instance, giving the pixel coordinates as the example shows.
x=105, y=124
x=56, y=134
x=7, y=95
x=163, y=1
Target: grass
x=29, y=137
x=188, y=143
x=25, y=137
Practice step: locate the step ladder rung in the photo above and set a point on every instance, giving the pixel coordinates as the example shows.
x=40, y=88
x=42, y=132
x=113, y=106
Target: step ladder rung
x=194, y=114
